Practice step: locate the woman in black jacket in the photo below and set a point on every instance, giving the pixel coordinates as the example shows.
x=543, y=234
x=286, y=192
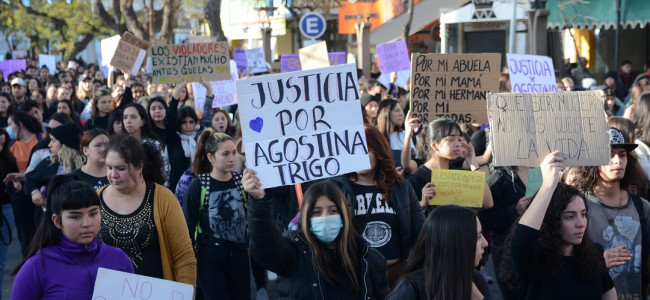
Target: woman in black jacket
x=324, y=258
x=448, y=249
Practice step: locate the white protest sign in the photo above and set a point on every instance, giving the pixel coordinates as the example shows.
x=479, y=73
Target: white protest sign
x=111, y=284
x=302, y=125
x=531, y=73
x=314, y=56
x=255, y=60
x=108, y=47
x=224, y=91
x=525, y=127
x=49, y=61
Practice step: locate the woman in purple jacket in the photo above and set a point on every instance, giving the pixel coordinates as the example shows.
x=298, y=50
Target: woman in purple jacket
x=63, y=258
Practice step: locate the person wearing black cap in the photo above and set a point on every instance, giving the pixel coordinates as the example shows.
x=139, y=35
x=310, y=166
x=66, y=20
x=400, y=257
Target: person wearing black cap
x=619, y=220
x=66, y=157
x=369, y=105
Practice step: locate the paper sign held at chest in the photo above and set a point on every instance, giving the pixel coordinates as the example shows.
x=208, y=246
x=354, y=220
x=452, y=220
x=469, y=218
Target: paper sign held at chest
x=524, y=128
x=111, y=284
x=464, y=188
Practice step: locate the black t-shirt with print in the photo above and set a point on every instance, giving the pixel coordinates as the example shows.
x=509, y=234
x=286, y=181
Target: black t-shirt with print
x=96, y=182
x=380, y=228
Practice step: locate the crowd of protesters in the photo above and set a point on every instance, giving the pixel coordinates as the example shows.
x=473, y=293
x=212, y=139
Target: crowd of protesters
x=114, y=171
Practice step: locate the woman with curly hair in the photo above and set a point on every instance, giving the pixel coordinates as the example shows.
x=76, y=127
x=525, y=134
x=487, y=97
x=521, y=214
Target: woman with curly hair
x=385, y=208
x=551, y=253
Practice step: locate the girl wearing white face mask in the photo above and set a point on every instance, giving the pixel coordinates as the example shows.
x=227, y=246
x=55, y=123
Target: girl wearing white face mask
x=324, y=258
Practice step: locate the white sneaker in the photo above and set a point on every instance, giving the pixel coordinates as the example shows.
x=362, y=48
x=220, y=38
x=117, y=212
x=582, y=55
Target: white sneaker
x=271, y=276
x=262, y=294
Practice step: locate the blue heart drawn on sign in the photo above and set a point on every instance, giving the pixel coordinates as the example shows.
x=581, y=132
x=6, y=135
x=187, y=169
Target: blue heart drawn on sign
x=256, y=124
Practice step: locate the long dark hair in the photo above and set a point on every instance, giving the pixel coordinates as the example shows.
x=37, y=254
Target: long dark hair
x=146, y=130
x=135, y=152
x=348, y=256
x=434, y=132
x=25, y=121
x=385, y=174
x=590, y=263
x=73, y=112
x=634, y=180
x=208, y=142
x=159, y=100
x=445, y=252
x=384, y=124
x=7, y=160
x=184, y=112
x=115, y=116
x=10, y=109
x=642, y=114
x=64, y=192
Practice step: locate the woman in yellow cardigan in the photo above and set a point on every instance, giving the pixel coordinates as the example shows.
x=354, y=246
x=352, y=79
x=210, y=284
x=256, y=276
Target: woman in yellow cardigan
x=142, y=217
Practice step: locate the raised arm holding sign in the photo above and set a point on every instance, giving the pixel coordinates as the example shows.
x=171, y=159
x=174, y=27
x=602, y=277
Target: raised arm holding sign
x=527, y=127
x=453, y=86
x=303, y=126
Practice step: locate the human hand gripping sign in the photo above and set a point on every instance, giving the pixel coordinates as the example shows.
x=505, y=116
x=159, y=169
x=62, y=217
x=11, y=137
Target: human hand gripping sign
x=252, y=184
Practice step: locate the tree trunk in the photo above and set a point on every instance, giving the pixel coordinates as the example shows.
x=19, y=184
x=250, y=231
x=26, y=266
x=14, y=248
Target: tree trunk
x=132, y=20
x=169, y=21
x=79, y=46
x=213, y=17
x=409, y=19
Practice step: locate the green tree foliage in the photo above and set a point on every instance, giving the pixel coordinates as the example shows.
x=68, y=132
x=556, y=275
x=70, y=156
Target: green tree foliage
x=58, y=25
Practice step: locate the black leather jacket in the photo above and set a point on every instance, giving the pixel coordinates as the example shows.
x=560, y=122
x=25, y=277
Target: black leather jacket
x=289, y=256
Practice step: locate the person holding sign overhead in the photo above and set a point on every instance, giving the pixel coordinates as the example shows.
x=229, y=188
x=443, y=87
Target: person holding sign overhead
x=551, y=253
x=385, y=207
x=63, y=258
x=324, y=258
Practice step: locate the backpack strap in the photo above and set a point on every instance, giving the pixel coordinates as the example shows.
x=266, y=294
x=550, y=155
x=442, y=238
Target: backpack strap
x=205, y=191
x=638, y=204
x=237, y=177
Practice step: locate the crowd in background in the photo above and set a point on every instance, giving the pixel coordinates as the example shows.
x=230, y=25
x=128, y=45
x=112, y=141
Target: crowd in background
x=114, y=171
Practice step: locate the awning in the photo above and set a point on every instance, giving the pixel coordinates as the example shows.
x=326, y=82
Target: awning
x=597, y=13
x=424, y=13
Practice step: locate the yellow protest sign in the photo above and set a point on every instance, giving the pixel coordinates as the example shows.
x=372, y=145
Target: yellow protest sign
x=464, y=188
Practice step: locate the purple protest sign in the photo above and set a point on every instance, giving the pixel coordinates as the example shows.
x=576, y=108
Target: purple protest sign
x=290, y=63
x=393, y=57
x=239, y=56
x=336, y=58
x=12, y=65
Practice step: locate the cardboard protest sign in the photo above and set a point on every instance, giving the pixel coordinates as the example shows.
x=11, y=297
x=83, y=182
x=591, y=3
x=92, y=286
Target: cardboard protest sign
x=524, y=128
x=129, y=53
x=393, y=57
x=336, y=58
x=531, y=73
x=49, y=61
x=314, y=56
x=108, y=46
x=12, y=65
x=224, y=91
x=302, y=126
x=111, y=284
x=188, y=62
x=464, y=188
x=453, y=86
x=290, y=63
x=239, y=55
x=255, y=60
x=534, y=181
